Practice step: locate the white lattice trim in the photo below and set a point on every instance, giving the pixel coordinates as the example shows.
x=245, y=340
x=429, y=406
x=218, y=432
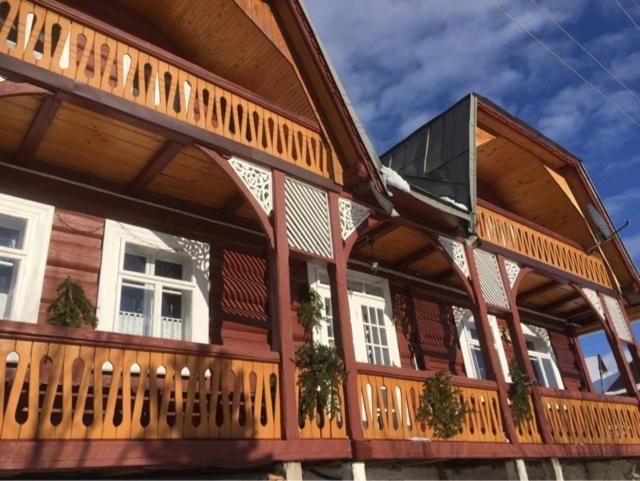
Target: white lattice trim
x=512, y=269
x=257, y=179
x=351, y=216
x=455, y=250
x=594, y=300
x=307, y=214
x=491, y=284
x=617, y=318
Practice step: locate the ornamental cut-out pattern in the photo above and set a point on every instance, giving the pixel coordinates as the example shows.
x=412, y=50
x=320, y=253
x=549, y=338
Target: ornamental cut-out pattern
x=257, y=179
x=594, y=299
x=512, y=270
x=455, y=250
x=351, y=216
x=617, y=318
x=491, y=284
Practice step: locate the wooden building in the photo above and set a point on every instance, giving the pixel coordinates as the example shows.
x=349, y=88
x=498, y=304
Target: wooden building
x=196, y=168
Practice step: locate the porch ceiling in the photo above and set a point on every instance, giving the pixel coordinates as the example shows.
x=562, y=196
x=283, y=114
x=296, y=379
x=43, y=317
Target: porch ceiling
x=406, y=250
x=101, y=151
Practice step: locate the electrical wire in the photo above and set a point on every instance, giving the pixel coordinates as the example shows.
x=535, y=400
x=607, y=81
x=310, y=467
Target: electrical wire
x=624, y=10
x=591, y=56
x=563, y=62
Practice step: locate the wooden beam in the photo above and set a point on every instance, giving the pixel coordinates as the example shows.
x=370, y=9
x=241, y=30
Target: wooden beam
x=536, y=291
x=38, y=129
x=9, y=88
x=158, y=162
x=233, y=204
x=552, y=306
x=377, y=232
x=415, y=256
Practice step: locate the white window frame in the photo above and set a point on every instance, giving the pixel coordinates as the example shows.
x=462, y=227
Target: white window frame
x=31, y=258
x=464, y=321
x=165, y=247
x=357, y=299
x=544, y=350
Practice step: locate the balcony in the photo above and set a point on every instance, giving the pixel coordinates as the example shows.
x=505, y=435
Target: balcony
x=506, y=231
x=153, y=79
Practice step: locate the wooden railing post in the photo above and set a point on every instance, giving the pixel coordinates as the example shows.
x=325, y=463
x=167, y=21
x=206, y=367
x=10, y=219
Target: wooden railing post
x=487, y=344
x=522, y=355
x=281, y=295
x=342, y=321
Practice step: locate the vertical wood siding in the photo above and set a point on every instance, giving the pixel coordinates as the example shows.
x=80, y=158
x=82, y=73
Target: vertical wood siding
x=566, y=356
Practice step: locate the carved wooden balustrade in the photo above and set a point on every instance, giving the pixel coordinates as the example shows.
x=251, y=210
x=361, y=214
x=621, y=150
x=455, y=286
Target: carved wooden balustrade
x=582, y=418
x=324, y=424
x=506, y=232
x=65, y=46
x=528, y=431
x=54, y=390
x=390, y=403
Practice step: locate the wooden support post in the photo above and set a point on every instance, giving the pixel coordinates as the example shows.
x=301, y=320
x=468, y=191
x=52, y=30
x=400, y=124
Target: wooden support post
x=342, y=321
x=582, y=363
x=634, y=347
x=281, y=292
x=618, y=353
x=487, y=345
x=522, y=355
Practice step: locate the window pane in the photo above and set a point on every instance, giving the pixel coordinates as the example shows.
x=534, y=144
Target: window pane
x=134, y=262
x=378, y=355
x=383, y=337
x=171, y=270
x=12, y=231
x=355, y=286
x=374, y=290
x=385, y=357
x=380, y=316
x=323, y=278
x=136, y=302
x=376, y=336
x=7, y=271
x=172, y=320
x=537, y=369
x=478, y=362
x=473, y=333
x=171, y=304
x=551, y=376
x=365, y=314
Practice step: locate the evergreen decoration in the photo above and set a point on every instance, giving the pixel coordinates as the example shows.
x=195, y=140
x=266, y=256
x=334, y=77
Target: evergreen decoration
x=320, y=369
x=519, y=395
x=442, y=406
x=72, y=308
x=310, y=311
x=321, y=372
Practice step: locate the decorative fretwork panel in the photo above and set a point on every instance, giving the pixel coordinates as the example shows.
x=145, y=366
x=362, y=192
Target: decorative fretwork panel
x=505, y=232
x=308, y=221
x=617, y=318
x=512, y=269
x=66, y=47
x=594, y=300
x=455, y=250
x=602, y=421
x=65, y=391
x=491, y=284
x=257, y=179
x=389, y=408
x=351, y=216
x=325, y=424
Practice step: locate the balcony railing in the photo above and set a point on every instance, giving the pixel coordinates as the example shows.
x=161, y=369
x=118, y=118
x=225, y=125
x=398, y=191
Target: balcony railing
x=528, y=241
x=390, y=404
x=64, y=46
x=56, y=390
x=581, y=418
x=326, y=424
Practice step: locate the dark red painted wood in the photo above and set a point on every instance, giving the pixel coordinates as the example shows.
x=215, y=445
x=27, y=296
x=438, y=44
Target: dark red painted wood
x=38, y=128
x=163, y=157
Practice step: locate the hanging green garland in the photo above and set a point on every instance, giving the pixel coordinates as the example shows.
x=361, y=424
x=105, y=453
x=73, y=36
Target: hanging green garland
x=72, y=308
x=321, y=371
x=519, y=395
x=442, y=406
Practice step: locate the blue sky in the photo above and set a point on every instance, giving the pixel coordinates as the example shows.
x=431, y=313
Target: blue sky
x=404, y=61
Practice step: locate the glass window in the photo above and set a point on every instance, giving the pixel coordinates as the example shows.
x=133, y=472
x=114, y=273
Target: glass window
x=478, y=362
x=8, y=269
x=134, y=262
x=136, y=303
x=12, y=231
x=541, y=356
x=375, y=335
x=171, y=270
